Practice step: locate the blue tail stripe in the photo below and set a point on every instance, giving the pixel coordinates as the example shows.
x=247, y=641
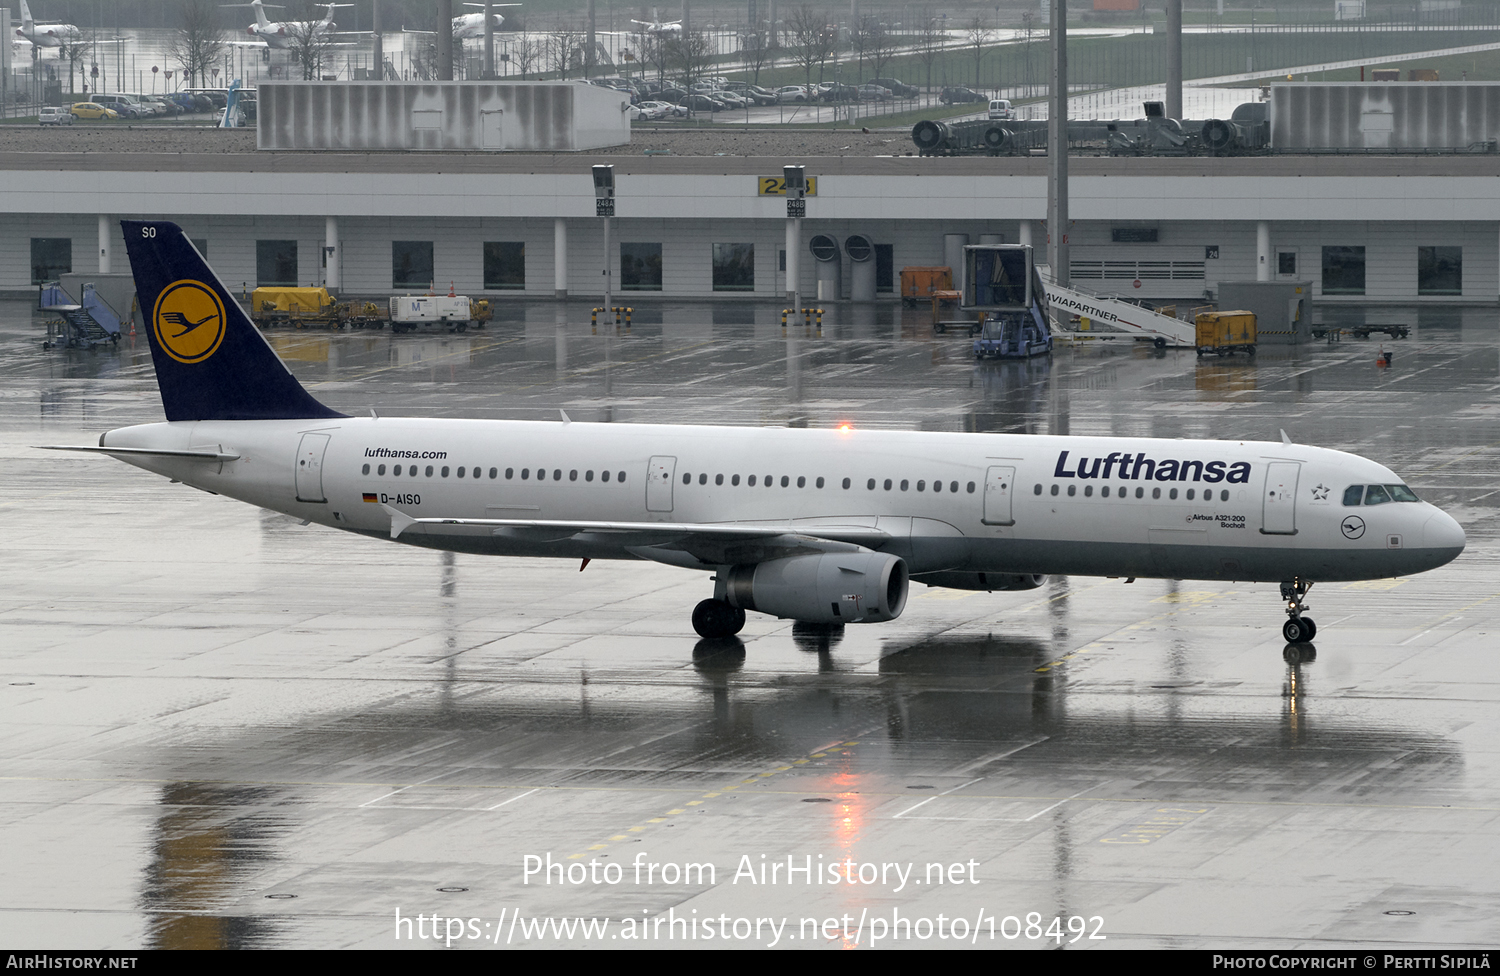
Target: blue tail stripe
x=229, y=374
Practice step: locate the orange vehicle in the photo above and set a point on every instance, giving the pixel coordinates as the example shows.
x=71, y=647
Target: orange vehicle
x=918, y=284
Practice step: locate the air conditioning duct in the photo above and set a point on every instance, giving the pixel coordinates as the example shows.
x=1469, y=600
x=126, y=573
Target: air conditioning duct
x=861, y=268
x=827, y=588
x=830, y=267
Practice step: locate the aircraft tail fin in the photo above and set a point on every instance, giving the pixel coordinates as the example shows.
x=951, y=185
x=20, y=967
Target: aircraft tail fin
x=26, y=18
x=211, y=361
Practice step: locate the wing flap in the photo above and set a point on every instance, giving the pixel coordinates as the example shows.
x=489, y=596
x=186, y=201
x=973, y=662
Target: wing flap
x=716, y=540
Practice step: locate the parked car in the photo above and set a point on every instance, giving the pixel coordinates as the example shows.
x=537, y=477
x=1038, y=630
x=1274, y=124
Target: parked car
x=896, y=87
x=953, y=96
x=835, y=92
x=874, y=93
x=1001, y=110
x=701, y=103
x=791, y=94
x=55, y=115
x=92, y=110
x=123, y=106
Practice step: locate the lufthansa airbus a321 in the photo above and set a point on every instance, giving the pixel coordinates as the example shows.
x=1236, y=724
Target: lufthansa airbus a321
x=817, y=526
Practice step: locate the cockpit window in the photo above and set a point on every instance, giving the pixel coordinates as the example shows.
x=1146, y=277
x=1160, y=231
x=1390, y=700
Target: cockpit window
x=1378, y=494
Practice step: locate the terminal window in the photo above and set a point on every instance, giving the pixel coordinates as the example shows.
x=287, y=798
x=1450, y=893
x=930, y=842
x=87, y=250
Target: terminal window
x=1343, y=270
x=50, y=257
x=1440, y=271
x=734, y=267
x=504, y=264
x=276, y=263
x=640, y=267
x=411, y=264
x=1286, y=263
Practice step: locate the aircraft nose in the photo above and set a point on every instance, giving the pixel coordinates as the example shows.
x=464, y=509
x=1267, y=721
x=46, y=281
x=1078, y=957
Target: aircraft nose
x=1441, y=531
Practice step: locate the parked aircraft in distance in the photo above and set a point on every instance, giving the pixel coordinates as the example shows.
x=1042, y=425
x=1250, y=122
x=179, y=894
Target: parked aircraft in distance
x=656, y=26
x=283, y=34
x=818, y=526
x=470, y=26
x=45, y=35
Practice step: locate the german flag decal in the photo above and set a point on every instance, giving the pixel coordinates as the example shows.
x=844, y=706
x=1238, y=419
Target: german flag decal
x=370, y=497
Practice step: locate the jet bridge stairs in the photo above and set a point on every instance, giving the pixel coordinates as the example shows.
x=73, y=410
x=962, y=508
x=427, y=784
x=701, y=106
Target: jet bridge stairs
x=1112, y=318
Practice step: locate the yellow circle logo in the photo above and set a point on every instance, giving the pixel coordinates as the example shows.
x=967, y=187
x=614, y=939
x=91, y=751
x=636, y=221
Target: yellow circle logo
x=189, y=321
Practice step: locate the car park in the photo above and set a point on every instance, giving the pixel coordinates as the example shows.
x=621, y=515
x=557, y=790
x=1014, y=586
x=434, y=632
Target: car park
x=55, y=115
x=93, y=110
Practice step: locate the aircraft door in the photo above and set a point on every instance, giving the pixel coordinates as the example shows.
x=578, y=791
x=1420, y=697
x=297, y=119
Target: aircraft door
x=1279, y=500
x=659, y=484
x=310, y=467
x=999, y=486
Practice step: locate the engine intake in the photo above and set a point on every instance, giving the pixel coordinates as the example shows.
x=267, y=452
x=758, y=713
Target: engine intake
x=829, y=588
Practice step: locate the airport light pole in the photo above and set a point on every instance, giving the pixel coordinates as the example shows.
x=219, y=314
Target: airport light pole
x=1057, y=149
x=604, y=206
x=794, y=180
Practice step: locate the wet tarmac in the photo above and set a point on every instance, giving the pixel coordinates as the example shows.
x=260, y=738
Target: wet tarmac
x=220, y=728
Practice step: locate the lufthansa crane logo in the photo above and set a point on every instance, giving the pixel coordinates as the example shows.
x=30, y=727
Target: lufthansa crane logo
x=1353, y=527
x=189, y=321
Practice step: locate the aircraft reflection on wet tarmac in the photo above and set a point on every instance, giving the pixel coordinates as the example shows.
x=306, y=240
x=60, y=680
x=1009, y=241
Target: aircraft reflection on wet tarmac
x=227, y=729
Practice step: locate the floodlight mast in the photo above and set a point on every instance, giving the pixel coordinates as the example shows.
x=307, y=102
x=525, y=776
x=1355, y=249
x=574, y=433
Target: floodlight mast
x=794, y=180
x=604, y=206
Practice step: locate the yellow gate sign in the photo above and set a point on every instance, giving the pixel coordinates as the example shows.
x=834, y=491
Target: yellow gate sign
x=775, y=186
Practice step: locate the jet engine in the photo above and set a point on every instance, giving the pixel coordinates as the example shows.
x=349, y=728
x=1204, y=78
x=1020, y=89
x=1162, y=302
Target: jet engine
x=828, y=588
x=982, y=581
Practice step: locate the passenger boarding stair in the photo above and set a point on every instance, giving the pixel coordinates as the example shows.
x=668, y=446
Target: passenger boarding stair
x=85, y=325
x=1112, y=318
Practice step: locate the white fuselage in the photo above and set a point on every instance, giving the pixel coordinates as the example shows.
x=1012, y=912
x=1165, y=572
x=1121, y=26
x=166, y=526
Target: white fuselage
x=49, y=35
x=964, y=503
x=470, y=26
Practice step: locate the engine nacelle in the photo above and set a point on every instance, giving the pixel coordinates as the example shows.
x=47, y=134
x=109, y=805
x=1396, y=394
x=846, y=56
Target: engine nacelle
x=829, y=588
x=982, y=581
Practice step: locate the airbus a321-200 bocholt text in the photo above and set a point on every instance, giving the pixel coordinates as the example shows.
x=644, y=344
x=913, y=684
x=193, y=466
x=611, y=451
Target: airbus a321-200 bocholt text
x=824, y=527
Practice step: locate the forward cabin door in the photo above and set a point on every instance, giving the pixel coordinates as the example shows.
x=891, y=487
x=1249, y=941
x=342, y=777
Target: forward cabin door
x=999, y=487
x=659, y=484
x=310, y=467
x=1279, y=508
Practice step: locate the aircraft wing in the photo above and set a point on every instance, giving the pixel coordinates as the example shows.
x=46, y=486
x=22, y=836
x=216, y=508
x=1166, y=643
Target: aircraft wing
x=711, y=542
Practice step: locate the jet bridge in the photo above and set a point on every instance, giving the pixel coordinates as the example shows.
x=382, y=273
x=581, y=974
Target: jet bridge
x=1113, y=318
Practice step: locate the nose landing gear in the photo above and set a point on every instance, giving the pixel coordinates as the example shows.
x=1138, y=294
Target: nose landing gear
x=1298, y=629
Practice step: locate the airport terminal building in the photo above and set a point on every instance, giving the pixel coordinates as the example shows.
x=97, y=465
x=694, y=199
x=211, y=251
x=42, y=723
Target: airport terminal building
x=1410, y=229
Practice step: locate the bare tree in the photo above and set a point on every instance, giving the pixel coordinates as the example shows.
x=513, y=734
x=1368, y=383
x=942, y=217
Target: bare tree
x=563, y=51
x=649, y=51
x=929, y=44
x=74, y=49
x=977, y=35
x=308, y=44
x=814, y=40
x=756, y=49
x=691, y=54
x=199, y=42
x=880, y=46
x=527, y=54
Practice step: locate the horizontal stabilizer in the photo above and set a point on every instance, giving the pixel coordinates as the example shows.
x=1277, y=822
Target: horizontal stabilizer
x=202, y=455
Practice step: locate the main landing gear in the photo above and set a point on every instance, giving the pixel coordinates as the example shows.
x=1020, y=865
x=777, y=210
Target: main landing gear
x=1298, y=629
x=716, y=618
